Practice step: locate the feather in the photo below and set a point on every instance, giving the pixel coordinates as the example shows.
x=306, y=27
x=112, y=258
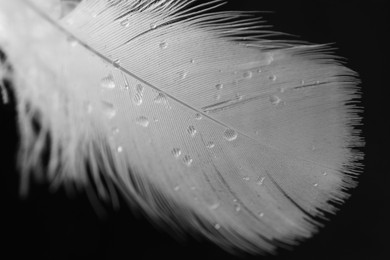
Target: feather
x=194, y=115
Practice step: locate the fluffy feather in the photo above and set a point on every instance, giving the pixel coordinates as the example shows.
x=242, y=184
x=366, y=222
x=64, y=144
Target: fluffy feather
x=196, y=117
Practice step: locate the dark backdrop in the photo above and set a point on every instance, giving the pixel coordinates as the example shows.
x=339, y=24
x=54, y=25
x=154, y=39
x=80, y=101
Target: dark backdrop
x=58, y=226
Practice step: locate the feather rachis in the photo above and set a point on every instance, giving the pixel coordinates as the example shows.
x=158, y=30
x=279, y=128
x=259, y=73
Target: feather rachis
x=234, y=82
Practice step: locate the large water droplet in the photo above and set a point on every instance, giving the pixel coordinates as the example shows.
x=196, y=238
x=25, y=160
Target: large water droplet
x=176, y=152
x=230, y=134
x=108, y=82
x=137, y=99
x=142, y=121
x=275, y=100
x=125, y=23
x=163, y=45
x=187, y=160
x=191, y=130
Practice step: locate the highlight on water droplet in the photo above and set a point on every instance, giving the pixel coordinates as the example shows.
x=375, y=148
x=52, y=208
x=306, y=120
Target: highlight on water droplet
x=176, y=152
x=119, y=149
x=217, y=226
x=214, y=206
x=177, y=188
x=238, y=208
x=230, y=134
x=142, y=121
x=161, y=99
x=246, y=179
x=275, y=100
x=217, y=97
x=191, y=130
x=261, y=214
x=115, y=130
x=108, y=82
x=125, y=22
x=163, y=45
x=324, y=173
x=219, y=86
x=187, y=160
x=315, y=184
x=153, y=26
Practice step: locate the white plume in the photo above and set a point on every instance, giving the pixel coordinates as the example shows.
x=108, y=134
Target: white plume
x=194, y=115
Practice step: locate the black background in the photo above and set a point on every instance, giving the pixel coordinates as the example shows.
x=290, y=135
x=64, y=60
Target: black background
x=58, y=226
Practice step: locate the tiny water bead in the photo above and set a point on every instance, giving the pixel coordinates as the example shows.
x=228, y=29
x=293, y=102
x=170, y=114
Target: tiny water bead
x=272, y=77
x=315, y=184
x=125, y=23
x=238, y=208
x=325, y=173
x=187, y=160
x=246, y=179
x=214, y=206
x=176, y=152
x=119, y=149
x=142, y=121
x=198, y=116
x=108, y=82
x=191, y=130
x=109, y=110
x=275, y=100
x=153, y=26
x=115, y=130
x=217, y=97
x=230, y=134
x=161, y=99
x=177, y=188
x=217, y=226
x=210, y=145
x=182, y=74
x=260, y=181
x=248, y=75
x=261, y=214
x=163, y=45
x=219, y=86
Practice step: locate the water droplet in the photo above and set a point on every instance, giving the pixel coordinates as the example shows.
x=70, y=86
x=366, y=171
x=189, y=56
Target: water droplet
x=198, y=116
x=247, y=75
x=187, y=160
x=116, y=63
x=217, y=97
x=315, y=185
x=108, y=82
x=191, y=130
x=238, y=208
x=239, y=96
x=275, y=100
x=217, y=226
x=177, y=188
x=261, y=215
x=192, y=60
x=210, y=145
x=176, y=152
x=137, y=99
x=219, y=86
x=119, y=149
x=163, y=45
x=142, y=121
x=161, y=99
x=246, y=179
x=115, y=130
x=182, y=75
x=324, y=173
x=140, y=89
x=109, y=110
x=230, y=134
x=214, y=206
x=261, y=181
x=125, y=23
x=88, y=107
x=153, y=26
x=72, y=41
x=259, y=71
x=272, y=77
x=282, y=90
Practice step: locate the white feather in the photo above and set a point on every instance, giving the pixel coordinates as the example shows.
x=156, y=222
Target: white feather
x=188, y=113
